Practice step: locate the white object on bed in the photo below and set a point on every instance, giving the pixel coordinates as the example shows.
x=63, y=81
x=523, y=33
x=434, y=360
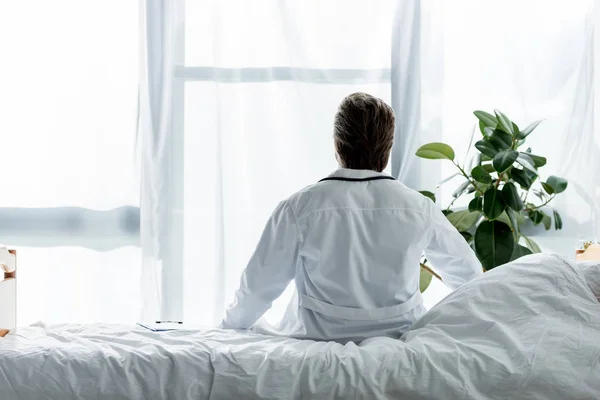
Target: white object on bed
x=527, y=331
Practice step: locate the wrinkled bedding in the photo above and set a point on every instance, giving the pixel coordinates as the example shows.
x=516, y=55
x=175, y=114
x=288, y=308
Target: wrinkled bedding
x=530, y=330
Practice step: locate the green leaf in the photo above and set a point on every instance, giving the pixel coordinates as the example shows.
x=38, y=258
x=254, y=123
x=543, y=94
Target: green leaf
x=525, y=132
x=504, y=160
x=489, y=168
x=515, y=129
x=485, y=118
x=461, y=189
x=546, y=221
x=487, y=122
x=482, y=128
x=520, y=143
x=447, y=212
x=521, y=178
x=424, y=280
x=514, y=223
x=536, y=216
x=463, y=220
x=527, y=162
x=493, y=203
x=428, y=194
x=549, y=189
x=532, y=176
x=504, y=122
x=511, y=197
x=520, y=251
x=501, y=140
x=476, y=204
x=538, y=161
x=486, y=147
x=504, y=218
x=481, y=175
x=558, y=184
x=468, y=237
x=557, y=220
x=494, y=243
x=533, y=246
x=482, y=187
x=436, y=151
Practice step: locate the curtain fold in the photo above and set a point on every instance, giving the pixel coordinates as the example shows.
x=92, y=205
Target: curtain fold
x=154, y=128
x=406, y=89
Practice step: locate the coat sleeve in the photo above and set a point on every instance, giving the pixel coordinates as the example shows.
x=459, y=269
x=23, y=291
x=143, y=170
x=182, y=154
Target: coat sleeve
x=269, y=271
x=449, y=253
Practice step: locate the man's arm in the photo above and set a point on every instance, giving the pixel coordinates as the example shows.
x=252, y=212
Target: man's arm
x=449, y=252
x=269, y=271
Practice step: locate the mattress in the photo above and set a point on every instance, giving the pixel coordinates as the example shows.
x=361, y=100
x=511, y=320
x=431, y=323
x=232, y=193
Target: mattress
x=529, y=330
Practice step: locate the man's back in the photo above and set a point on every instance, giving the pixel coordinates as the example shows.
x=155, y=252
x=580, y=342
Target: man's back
x=363, y=235
x=361, y=240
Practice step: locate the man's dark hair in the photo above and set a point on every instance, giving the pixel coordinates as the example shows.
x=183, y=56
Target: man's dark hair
x=363, y=132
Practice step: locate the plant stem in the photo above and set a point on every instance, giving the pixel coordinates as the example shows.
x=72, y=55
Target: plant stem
x=451, y=204
x=462, y=171
x=498, y=180
x=541, y=205
x=426, y=268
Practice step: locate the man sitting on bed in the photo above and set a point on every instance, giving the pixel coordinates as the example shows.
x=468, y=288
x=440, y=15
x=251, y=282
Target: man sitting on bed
x=352, y=242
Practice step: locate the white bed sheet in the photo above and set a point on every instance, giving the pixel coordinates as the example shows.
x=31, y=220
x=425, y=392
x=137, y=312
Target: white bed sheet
x=526, y=331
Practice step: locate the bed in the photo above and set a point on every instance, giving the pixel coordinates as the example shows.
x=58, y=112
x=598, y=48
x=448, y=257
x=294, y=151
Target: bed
x=529, y=330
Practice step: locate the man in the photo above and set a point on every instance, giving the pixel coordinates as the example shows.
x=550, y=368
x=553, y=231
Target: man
x=352, y=243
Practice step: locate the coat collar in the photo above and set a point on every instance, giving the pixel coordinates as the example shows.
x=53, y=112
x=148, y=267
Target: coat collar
x=355, y=173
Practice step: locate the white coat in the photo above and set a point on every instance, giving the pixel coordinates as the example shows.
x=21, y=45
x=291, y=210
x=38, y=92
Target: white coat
x=352, y=243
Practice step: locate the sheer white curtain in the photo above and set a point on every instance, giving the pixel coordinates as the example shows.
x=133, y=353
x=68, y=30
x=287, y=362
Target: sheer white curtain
x=69, y=197
x=158, y=146
x=256, y=84
x=532, y=60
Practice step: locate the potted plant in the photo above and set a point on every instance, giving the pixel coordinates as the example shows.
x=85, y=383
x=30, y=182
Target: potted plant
x=502, y=182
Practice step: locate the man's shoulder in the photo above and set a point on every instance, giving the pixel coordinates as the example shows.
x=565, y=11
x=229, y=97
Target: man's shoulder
x=302, y=194
x=392, y=194
x=413, y=199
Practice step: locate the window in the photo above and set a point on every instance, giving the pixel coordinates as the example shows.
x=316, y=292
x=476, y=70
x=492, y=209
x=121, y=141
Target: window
x=68, y=106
